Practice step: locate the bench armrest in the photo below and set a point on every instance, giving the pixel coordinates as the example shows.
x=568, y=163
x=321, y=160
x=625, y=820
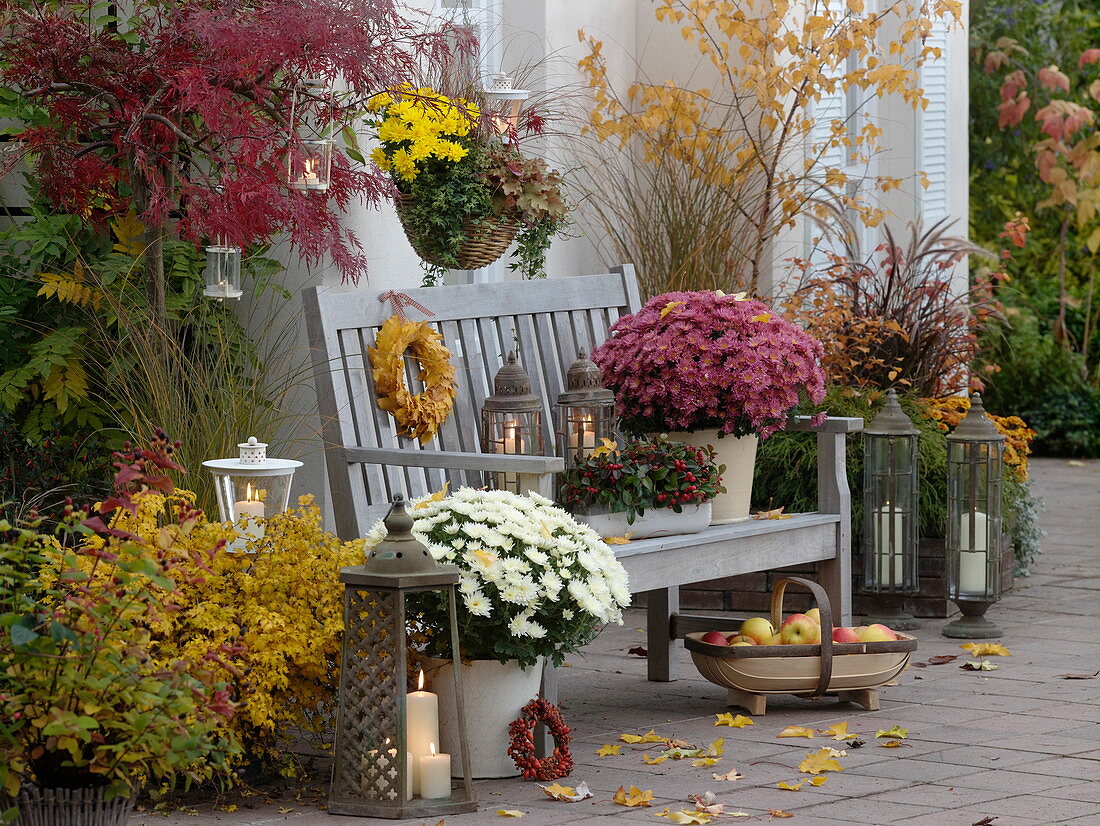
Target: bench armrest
x=833, y=424
x=455, y=460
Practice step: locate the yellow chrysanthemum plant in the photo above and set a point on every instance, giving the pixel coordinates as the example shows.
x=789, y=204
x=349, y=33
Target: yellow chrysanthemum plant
x=456, y=179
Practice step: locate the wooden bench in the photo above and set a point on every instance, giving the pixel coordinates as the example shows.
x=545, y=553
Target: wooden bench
x=546, y=322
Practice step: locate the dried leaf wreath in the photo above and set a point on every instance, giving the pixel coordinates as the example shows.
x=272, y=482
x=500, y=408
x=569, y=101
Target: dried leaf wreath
x=418, y=416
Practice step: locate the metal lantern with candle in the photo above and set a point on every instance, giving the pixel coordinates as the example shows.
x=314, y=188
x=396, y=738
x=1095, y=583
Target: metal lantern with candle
x=975, y=456
x=309, y=161
x=387, y=761
x=891, y=483
x=506, y=102
x=251, y=486
x=511, y=421
x=585, y=411
x=223, y=271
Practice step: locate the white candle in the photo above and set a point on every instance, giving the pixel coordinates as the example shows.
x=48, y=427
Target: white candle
x=435, y=774
x=972, y=561
x=250, y=505
x=421, y=726
x=883, y=549
x=584, y=436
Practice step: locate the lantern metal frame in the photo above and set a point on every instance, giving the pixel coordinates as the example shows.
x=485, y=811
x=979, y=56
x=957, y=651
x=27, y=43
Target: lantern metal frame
x=511, y=422
x=367, y=780
x=975, y=464
x=891, y=512
x=223, y=271
x=584, y=411
x=238, y=480
x=501, y=91
x=309, y=160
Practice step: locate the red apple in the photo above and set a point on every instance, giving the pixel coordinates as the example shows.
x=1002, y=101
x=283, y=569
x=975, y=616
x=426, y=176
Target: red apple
x=877, y=633
x=715, y=638
x=757, y=628
x=845, y=634
x=798, y=629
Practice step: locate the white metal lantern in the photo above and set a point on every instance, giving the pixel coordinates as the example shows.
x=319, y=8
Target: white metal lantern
x=507, y=102
x=223, y=271
x=309, y=161
x=252, y=486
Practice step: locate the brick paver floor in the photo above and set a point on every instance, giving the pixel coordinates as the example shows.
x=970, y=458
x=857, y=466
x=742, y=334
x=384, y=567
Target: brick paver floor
x=1012, y=747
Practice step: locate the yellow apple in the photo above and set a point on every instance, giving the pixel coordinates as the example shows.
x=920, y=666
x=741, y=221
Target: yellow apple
x=740, y=644
x=773, y=640
x=798, y=629
x=757, y=628
x=815, y=615
x=877, y=633
x=741, y=639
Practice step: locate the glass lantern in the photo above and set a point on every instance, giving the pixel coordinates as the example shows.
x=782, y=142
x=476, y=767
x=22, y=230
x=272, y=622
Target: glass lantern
x=585, y=411
x=250, y=488
x=309, y=161
x=511, y=421
x=975, y=457
x=223, y=271
x=388, y=759
x=506, y=102
x=891, y=484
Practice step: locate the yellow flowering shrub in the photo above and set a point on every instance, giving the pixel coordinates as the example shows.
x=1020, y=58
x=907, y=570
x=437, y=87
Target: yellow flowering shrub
x=417, y=125
x=948, y=411
x=274, y=615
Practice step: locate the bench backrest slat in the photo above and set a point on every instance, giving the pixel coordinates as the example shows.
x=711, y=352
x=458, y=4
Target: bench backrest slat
x=544, y=321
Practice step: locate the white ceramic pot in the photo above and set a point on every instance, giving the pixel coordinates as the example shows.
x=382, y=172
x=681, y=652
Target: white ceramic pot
x=654, y=522
x=739, y=457
x=494, y=694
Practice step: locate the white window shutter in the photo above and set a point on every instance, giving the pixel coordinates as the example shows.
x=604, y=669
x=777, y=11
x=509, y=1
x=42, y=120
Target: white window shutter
x=932, y=136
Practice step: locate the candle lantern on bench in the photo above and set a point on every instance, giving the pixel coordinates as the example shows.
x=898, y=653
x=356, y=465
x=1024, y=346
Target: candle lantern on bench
x=585, y=411
x=975, y=455
x=891, y=481
x=386, y=759
x=511, y=421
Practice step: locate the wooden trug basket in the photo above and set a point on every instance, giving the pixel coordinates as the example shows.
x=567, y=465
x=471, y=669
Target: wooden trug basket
x=852, y=671
x=485, y=242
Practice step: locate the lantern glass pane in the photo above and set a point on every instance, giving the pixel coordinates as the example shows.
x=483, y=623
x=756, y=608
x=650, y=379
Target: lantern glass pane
x=223, y=272
x=580, y=428
x=891, y=515
x=310, y=165
x=251, y=495
x=974, y=523
x=511, y=433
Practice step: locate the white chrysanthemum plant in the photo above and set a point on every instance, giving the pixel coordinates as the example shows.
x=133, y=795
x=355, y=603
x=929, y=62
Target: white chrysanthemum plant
x=535, y=583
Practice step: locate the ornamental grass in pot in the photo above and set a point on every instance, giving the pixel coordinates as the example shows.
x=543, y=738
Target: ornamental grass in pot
x=463, y=194
x=711, y=369
x=88, y=713
x=535, y=586
x=648, y=488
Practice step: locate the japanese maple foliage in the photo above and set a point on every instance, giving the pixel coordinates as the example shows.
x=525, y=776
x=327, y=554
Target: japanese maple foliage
x=183, y=110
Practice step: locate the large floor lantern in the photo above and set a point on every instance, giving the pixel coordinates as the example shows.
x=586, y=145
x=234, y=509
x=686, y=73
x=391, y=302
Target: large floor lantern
x=386, y=760
x=975, y=456
x=891, y=481
x=585, y=411
x=511, y=421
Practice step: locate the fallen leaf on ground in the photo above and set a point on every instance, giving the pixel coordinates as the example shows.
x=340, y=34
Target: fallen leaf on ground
x=820, y=761
x=639, y=651
x=649, y=737
x=609, y=750
x=893, y=744
x=787, y=787
x=897, y=731
x=942, y=659
x=829, y=750
x=617, y=540
x=978, y=665
x=796, y=731
x=839, y=731
x=653, y=761
x=986, y=649
x=509, y=813
x=1075, y=463
x=633, y=798
x=730, y=775
x=1079, y=676
x=818, y=781
x=567, y=794
x=779, y=813
x=739, y=721
x=705, y=761
x=855, y=744
x=776, y=513
x=686, y=817
x=678, y=753
x=707, y=802
x=918, y=665
x=285, y=810
x=985, y=821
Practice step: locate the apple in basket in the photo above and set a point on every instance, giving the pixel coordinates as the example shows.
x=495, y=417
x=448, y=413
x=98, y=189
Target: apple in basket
x=815, y=615
x=758, y=629
x=774, y=639
x=877, y=633
x=741, y=639
x=798, y=629
x=845, y=634
x=714, y=638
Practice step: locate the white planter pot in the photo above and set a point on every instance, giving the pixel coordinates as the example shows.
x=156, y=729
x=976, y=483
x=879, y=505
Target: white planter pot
x=739, y=457
x=494, y=695
x=654, y=522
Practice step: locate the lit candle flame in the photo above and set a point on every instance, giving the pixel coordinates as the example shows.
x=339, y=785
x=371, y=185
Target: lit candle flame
x=432, y=747
x=248, y=493
x=420, y=681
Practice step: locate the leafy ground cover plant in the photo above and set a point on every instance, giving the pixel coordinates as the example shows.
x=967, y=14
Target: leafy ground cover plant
x=642, y=475
x=699, y=360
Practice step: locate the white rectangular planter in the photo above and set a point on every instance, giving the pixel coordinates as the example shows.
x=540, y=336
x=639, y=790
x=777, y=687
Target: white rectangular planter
x=654, y=522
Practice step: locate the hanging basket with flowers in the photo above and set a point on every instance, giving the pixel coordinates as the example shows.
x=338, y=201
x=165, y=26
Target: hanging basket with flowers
x=464, y=195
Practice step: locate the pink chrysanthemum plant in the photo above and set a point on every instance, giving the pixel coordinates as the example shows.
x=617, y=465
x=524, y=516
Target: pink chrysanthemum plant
x=692, y=361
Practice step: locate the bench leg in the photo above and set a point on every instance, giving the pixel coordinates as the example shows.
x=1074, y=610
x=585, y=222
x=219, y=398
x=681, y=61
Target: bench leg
x=660, y=607
x=544, y=743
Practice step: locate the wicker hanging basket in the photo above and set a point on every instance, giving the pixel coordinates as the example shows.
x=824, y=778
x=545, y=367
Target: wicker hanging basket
x=485, y=242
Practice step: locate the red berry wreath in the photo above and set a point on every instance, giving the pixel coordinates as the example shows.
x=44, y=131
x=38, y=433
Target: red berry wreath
x=522, y=742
